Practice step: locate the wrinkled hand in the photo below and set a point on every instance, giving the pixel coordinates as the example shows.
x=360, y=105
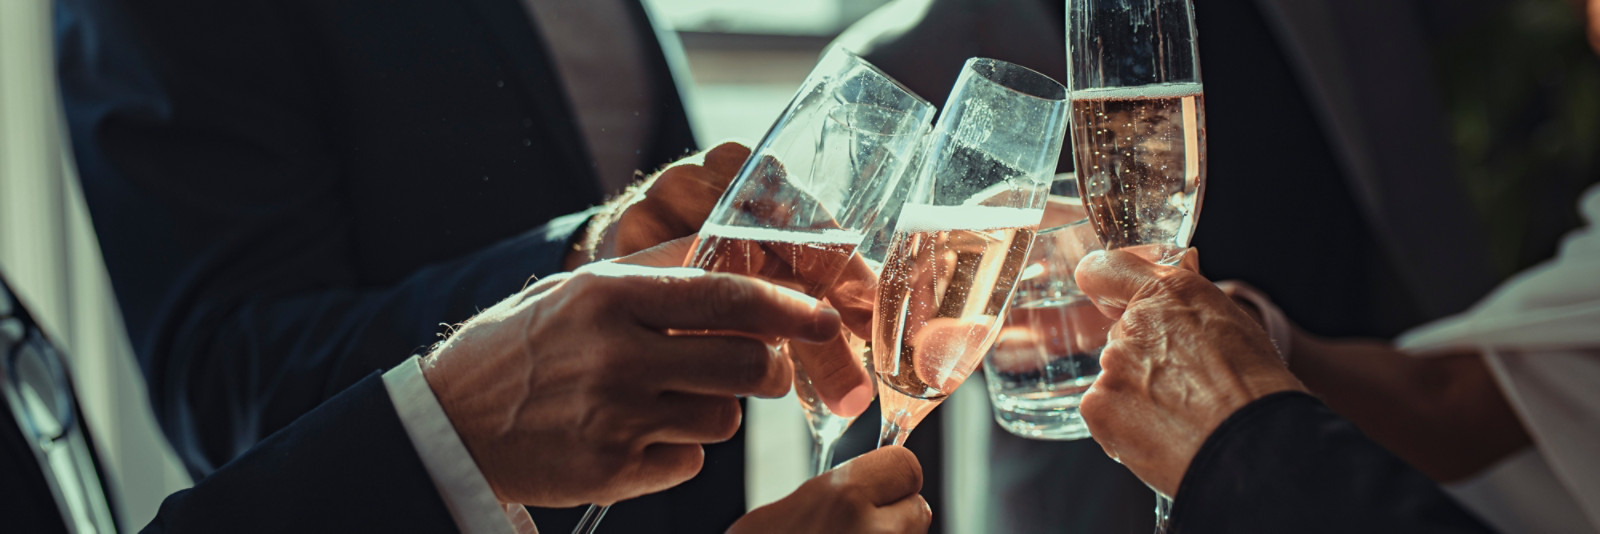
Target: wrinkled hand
x=1180, y=359
x=671, y=204
x=572, y=391
x=875, y=493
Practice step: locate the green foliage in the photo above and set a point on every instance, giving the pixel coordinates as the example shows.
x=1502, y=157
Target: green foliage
x=1522, y=88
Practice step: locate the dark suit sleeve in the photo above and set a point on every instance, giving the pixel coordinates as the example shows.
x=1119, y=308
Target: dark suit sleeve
x=227, y=229
x=1286, y=463
x=347, y=466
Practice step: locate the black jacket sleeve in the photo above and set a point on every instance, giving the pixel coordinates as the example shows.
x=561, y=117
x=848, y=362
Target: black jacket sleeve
x=226, y=225
x=347, y=466
x=1286, y=463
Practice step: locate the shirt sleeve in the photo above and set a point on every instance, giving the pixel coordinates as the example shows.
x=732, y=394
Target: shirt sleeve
x=1286, y=463
x=465, y=491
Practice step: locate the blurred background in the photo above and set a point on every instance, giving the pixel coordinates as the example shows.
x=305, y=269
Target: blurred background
x=1524, y=121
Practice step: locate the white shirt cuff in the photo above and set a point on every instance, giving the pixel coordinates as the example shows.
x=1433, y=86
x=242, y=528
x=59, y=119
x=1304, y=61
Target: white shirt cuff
x=465, y=491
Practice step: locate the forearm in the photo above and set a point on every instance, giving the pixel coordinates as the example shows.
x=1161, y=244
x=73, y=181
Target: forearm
x=1443, y=414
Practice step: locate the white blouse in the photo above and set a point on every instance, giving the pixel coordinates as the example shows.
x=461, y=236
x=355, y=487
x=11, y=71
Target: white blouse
x=1539, y=332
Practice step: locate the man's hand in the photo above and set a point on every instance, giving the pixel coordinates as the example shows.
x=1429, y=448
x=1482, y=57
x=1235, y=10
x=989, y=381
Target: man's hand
x=671, y=204
x=572, y=391
x=1180, y=359
x=875, y=493
x=834, y=366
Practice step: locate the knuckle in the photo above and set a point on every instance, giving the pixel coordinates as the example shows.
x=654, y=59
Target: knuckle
x=1113, y=360
x=726, y=417
x=750, y=362
x=903, y=465
x=613, y=361
x=724, y=296
x=1092, y=405
x=1182, y=284
x=598, y=430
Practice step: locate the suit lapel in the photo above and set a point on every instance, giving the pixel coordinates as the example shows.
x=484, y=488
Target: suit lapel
x=1365, y=66
x=667, y=66
x=523, y=51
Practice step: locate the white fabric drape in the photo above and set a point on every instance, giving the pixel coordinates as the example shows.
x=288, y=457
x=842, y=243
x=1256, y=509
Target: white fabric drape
x=49, y=253
x=1540, y=334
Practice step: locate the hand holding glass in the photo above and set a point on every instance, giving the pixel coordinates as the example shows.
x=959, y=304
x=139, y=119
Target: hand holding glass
x=806, y=197
x=1138, y=127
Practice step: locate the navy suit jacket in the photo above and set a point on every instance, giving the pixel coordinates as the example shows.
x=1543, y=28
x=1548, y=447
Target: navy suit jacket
x=291, y=194
x=347, y=466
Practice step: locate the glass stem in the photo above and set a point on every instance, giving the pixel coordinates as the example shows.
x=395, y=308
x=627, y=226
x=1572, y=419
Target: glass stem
x=894, y=429
x=591, y=519
x=1163, y=512
x=822, y=452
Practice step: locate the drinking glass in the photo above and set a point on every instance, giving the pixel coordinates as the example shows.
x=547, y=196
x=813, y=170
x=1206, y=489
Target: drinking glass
x=1138, y=126
x=962, y=237
x=1048, y=351
x=810, y=191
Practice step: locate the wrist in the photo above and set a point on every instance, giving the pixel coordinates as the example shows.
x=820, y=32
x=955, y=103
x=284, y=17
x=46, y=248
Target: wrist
x=1267, y=314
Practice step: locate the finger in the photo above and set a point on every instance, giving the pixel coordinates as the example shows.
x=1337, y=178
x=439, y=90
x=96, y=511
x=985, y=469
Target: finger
x=947, y=349
x=854, y=294
x=669, y=254
x=726, y=159
x=717, y=365
x=692, y=419
x=835, y=370
x=910, y=515
x=724, y=302
x=884, y=476
x=1112, y=279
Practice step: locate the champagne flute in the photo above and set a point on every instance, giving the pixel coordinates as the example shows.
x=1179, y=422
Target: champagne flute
x=1138, y=127
x=855, y=292
x=811, y=188
x=963, y=235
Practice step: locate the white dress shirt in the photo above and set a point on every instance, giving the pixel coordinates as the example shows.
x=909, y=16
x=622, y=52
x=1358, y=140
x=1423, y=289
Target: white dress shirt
x=465, y=491
x=1540, y=334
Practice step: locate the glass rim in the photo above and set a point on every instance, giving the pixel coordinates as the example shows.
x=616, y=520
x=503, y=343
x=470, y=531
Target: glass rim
x=856, y=59
x=1009, y=66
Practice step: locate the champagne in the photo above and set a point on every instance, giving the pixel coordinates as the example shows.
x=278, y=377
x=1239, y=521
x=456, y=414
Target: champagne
x=1140, y=156
x=807, y=262
x=948, y=276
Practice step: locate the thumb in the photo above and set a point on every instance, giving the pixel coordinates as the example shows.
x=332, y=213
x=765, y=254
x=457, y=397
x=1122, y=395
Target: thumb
x=1113, y=279
x=725, y=159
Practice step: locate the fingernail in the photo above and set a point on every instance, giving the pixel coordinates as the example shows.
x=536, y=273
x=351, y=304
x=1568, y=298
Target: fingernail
x=826, y=323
